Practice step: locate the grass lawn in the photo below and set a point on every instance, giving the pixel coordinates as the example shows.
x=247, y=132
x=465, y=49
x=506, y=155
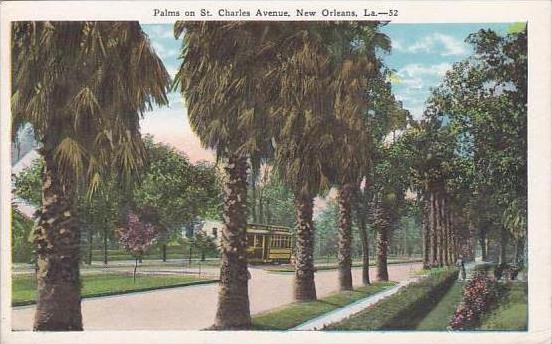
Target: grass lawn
x=297, y=313
x=24, y=286
x=510, y=314
x=405, y=309
x=439, y=317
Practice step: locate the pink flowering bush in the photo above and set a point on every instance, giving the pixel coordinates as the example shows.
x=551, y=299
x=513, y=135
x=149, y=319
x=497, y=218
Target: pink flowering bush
x=480, y=294
x=137, y=237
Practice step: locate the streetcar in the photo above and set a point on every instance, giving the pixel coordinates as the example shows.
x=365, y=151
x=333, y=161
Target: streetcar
x=268, y=244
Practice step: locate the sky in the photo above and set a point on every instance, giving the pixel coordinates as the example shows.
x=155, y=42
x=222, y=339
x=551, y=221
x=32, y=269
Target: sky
x=421, y=54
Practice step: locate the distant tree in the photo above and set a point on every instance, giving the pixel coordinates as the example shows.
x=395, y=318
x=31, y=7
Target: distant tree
x=174, y=191
x=326, y=230
x=204, y=243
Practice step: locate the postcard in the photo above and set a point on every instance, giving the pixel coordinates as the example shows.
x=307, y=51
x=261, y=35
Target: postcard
x=275, y=172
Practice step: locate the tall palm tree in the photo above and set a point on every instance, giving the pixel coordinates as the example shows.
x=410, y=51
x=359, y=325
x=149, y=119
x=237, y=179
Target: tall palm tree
x=303, y=117
x=221, y=79
x=82, y=86
x=356, y=83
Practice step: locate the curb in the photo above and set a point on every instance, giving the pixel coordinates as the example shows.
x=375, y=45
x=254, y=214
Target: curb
x=351, y=309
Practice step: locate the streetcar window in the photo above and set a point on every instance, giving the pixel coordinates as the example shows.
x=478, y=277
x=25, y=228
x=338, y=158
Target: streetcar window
x=258, y=241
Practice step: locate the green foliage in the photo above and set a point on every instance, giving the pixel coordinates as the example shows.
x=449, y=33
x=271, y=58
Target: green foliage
x=483, y=100
x=326, y=230
x=28, y=184
x=203, y=243
x=173, y=192
x=107, y=74
x=512, y=312
x=297, y=313
x=21, y=236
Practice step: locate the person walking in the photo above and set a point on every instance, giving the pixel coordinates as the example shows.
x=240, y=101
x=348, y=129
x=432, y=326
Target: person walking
x=462, y=267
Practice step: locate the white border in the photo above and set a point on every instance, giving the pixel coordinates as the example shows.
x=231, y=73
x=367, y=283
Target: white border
x=537, y=13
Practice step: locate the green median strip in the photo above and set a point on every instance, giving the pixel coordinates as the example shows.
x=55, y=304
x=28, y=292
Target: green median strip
x=335, y=266
x=105, y=284
x=297, y=313
x=403, y=310
x=439, y=317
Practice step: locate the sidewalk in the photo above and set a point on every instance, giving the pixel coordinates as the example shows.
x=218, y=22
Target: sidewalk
x=345, y=312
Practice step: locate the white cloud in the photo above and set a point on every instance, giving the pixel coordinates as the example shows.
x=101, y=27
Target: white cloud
x=436, y=42
x=415, y=70
x=413, y=83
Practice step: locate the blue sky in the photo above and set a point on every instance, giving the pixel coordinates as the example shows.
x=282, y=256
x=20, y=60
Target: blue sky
x=421, y=55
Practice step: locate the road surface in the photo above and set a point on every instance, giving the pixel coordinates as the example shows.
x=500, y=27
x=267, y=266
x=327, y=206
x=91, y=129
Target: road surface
x=194, y=307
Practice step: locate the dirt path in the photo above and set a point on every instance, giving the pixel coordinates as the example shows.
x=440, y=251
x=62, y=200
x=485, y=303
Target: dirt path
x=194, y=307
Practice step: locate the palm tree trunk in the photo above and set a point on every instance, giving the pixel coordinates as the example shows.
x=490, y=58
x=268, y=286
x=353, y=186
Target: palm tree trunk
x=441, y=229
x=304, y=287
x=451, y=238
x=427, y=231
x=382, y=223
x=57, y=239
x=361, y=219
x=434, y=230
x=446, y=233
x=345, y=199
x=233, y=299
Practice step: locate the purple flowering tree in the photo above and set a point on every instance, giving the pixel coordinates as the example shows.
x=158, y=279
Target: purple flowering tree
x=137, y=238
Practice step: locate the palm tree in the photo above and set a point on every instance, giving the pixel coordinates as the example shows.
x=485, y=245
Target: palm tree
x=356, y=92
x=221, y=80
x=82, y=86
x=303, y=119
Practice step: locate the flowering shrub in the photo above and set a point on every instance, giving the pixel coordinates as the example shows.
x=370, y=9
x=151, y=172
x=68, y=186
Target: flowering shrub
x=480, y=294
x=137, y=237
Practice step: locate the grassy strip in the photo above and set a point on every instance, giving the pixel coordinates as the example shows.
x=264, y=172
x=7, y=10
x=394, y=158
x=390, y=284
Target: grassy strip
x=439, y=317
x=24, y=287
x=511, y=314
x=334, y=267
x=405, y=309
x=297, y=313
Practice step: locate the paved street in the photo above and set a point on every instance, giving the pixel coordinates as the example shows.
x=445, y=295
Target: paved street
x=194, y=307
